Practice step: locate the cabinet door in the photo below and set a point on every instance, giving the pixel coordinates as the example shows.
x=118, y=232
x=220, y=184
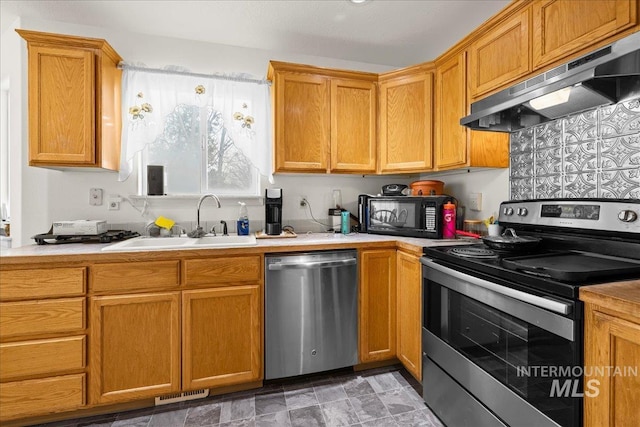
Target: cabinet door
x=500, y=56
x=134, y=346
x=451, y=140
x=221, y=336
x=353, y=126
x=409, y=311
x=377, y=305
x=61, y=106
x=561, y=28
x=302, y=123
x=612, y=343
x=406, y=124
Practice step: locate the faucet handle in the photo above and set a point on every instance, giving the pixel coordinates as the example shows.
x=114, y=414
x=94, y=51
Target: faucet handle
x=213, y=230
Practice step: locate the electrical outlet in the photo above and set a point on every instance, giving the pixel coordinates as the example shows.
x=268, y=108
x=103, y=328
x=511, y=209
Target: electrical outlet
x=95, y=196
x=475, y=201
x=114, y=202
x=303, y=202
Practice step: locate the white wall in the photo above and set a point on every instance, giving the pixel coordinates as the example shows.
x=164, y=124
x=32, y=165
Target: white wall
x=40, y=196
x=492, y=183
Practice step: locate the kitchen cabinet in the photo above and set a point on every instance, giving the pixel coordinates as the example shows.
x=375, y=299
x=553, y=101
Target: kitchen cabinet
x=134, y=346
x=562, y=28
x=611, y=343
x=409, y=330
x=406, y=117
x=455, y=145
x=500, y=56
x=377, y=305
x=74, y=101
x=324, y=120
x=221, y=337
x=42, y=341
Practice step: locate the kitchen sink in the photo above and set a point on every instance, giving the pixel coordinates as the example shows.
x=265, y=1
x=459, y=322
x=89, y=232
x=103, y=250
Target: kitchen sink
x=159, y=243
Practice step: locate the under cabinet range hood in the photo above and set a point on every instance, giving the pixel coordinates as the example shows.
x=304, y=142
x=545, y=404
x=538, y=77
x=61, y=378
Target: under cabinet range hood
x=607, y=76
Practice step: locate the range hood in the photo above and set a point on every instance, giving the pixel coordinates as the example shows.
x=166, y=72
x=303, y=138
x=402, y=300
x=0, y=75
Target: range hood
x=607, y=76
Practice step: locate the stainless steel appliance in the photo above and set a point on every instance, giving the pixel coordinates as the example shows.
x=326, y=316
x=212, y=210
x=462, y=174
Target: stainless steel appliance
x=273, y=211
x=502, y=331
x=606, y=76
x=311, y=312
x=413, y=216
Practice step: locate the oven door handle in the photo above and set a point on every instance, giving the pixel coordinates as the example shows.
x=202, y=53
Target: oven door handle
x=542, y=302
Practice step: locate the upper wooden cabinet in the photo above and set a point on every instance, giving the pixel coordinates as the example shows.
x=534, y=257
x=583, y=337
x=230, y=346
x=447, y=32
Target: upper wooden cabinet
x=500, y=56
x=324, y=120
x=455, y=145
x=74, y=101
x=406, y=114
x=562, y=28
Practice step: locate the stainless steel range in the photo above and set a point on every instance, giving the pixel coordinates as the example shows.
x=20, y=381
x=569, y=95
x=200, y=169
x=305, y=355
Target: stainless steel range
x=502, y=330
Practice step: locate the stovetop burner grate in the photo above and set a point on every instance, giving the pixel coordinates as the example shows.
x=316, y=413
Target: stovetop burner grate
x=469, y=252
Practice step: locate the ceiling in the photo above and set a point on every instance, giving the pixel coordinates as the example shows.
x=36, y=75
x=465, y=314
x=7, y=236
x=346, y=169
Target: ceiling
x=386, y=32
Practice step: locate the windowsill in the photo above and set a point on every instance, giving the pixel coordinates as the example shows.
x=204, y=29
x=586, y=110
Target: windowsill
x=225, y=200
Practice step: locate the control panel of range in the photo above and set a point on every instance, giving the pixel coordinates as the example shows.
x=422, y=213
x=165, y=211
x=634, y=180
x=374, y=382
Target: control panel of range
x=594, y=214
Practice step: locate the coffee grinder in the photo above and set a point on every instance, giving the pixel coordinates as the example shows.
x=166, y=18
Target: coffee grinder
x=273, y=211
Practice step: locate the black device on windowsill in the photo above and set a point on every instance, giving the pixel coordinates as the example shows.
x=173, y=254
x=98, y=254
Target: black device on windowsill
x=273, y=211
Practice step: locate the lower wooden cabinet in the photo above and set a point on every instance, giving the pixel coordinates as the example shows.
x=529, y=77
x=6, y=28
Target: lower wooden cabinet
x=612, y=343
x=221, y=336
x=409, y=284
x=377, y=305
x=134, y=346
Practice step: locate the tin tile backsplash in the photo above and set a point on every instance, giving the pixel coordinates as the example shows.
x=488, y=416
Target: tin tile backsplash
x=591, y=154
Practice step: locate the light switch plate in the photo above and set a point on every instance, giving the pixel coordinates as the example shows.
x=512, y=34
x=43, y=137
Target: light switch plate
x=475, y=201
x=95, y=196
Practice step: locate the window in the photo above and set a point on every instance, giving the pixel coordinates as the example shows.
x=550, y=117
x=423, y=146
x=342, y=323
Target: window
x=211, y=134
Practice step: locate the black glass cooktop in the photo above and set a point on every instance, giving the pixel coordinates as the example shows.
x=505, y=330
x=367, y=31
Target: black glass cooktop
x=542, y=270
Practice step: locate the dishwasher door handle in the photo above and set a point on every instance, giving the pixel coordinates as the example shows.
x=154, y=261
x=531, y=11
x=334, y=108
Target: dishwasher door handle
x=312, y=264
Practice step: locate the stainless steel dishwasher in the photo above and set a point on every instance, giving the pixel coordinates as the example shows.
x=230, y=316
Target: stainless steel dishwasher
x=311, y=312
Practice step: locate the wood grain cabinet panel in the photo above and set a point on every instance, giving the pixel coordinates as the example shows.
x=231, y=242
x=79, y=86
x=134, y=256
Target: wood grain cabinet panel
x=134, y=276
x=500, y=56
x=561, y=28
x=42, y=317
x=353, y=126
x=222, y=335
x=134, y=346
x=451, y=141
x=611, y=342
x=74, y=101
x=222, y=271
x=406, y=123
x=409, y=286
x=302, y=123
x=42, y=396
x=50, y=356
x=42, y=283
x=377, y=305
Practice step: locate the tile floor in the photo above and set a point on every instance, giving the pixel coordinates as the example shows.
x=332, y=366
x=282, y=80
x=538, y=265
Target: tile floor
x=380, y=397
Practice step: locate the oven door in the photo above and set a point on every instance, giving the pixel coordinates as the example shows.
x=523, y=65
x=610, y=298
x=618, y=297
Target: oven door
x=503, y=355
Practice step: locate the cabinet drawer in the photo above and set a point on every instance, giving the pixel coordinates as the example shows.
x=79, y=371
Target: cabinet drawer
x=42, y=396
x=134, y=275
x=51, y=356
x=41, y=317
x=222, y=270
x=42, y=283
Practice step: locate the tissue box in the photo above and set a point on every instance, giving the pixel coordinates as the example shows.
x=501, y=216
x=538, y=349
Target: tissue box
x=81, y=227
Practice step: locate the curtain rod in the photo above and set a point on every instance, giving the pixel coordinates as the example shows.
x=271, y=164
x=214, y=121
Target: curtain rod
x=125, y=66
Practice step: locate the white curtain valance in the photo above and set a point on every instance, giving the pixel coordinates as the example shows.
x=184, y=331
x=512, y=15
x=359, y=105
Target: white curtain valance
x=149, y=96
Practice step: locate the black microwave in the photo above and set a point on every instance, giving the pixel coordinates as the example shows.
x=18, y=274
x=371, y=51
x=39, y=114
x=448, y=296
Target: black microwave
x=411, y=216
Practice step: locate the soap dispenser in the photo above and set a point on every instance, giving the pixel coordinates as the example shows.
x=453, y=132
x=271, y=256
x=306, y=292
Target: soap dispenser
x=243, y=220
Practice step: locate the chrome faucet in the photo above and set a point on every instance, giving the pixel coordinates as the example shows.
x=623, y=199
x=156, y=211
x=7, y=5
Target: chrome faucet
x=199, y=232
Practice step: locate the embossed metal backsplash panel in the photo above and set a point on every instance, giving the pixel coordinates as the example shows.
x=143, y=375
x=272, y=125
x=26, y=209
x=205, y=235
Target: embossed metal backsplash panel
x=591, y=154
